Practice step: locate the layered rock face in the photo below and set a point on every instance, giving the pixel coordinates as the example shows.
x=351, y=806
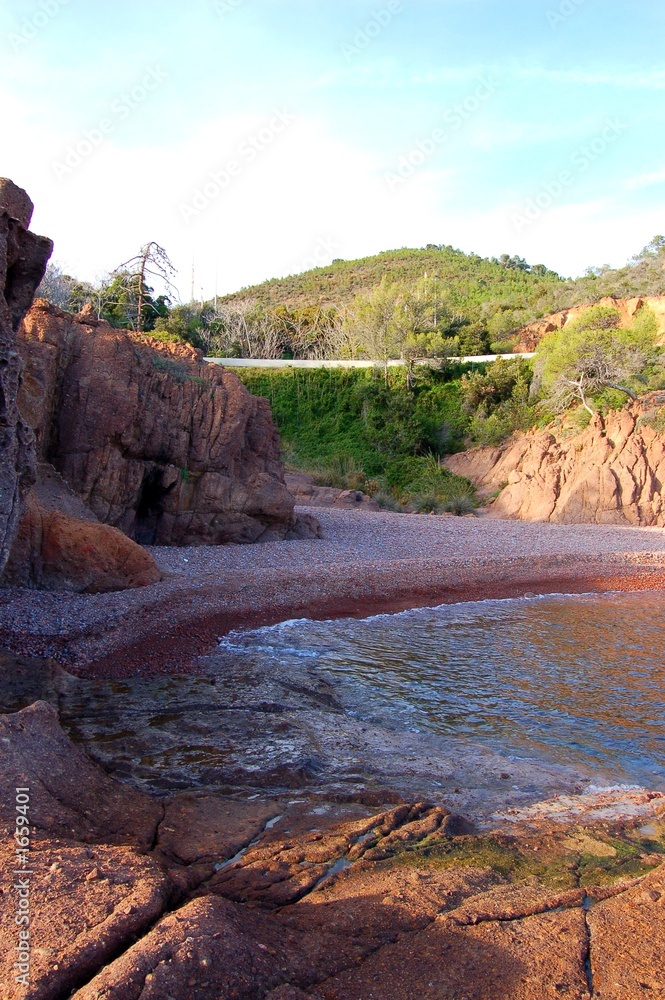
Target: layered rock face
x=530, y=336
x=611, y=473
x=23, y=258
x=169, y=449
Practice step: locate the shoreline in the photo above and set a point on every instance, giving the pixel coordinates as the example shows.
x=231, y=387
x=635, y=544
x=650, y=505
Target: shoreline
x=367, y=564
x=174, y=648
x=189, y=640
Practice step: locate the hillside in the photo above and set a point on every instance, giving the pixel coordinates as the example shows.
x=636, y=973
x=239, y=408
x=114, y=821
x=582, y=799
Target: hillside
x=468, y=284
x=530, y=335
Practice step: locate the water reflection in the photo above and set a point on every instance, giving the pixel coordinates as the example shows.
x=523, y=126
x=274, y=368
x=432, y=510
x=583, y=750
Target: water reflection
x=571, y=679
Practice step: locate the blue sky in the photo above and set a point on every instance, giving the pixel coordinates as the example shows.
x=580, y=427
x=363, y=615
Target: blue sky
x=257, y=138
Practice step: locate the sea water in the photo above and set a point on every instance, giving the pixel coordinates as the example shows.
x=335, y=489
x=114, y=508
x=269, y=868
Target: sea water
x=574, y=680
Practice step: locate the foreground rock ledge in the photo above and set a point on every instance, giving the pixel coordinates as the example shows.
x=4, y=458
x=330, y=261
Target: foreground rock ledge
x=134, y=898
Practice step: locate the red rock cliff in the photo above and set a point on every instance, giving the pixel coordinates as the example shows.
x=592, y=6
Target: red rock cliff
x=23, y=258
x=611, y=473
x=158, y=443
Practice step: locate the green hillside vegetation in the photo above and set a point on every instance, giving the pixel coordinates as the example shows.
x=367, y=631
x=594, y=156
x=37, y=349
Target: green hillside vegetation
x=595, y=364
x=386, y=431
x=456, y=303
x=484, y=299
x=353, y=430
x=466, y=281
x=432, y=302
x=474, y=286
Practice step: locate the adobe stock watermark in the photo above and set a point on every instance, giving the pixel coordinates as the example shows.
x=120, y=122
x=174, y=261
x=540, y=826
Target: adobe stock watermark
x=224, y=7
x=323, y=252
x=559, y=15
x=366, y=34
x=580, y=161
x=40, y=18
x=219, y=181
x=121, y=109
x=454, y=119
x=21, y=887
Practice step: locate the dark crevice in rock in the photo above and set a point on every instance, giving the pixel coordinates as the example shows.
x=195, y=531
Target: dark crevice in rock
x=155, y=836
x=77, y=982
x=588, y=968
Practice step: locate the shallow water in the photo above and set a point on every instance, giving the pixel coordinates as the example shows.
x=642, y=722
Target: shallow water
x=572, y=680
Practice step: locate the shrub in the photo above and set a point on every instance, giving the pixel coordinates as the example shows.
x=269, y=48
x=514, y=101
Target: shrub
x=387, y=501
x=461, y=505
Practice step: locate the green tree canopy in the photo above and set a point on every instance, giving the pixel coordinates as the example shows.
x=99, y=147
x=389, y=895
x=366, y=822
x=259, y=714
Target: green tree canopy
x=593, y=354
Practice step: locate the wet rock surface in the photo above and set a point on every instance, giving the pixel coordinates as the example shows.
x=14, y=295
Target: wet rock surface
x=251, y=727
x=203, y=895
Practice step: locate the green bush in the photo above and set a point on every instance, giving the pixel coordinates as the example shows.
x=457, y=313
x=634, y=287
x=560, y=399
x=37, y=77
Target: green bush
x=349, y=431
x=387, y=501
x=460, y=505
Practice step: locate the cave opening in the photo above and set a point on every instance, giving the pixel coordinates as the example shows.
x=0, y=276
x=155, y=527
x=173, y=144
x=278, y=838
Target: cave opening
x=150, y=507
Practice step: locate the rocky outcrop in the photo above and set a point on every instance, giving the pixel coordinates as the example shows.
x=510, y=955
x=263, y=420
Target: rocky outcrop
x=305, y=491
x=132, y=896
x=61, y=545
x=611, y=473
x=23, y=258
x=53, y=551
x=530, y=336
x=159, y=444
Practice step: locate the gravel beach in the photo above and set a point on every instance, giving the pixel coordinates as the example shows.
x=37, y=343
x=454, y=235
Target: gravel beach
x=365, y=563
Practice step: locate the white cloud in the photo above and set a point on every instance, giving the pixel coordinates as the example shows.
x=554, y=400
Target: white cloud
x=652, y=80
x=306, y=190
x=645, y=180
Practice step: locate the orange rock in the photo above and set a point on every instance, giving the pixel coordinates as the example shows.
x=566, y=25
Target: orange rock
x=56, y=551
x=530, y=336
x=610, y=473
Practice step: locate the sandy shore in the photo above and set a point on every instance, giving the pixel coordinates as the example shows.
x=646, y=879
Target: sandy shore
x=366, y=563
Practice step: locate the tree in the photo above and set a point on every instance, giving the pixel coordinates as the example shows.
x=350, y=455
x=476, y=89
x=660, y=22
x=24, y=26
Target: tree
x=654, y=249
x=132, y=293
x=593, y=354
x=372, y=324
x=412, y=323
x=64, y=291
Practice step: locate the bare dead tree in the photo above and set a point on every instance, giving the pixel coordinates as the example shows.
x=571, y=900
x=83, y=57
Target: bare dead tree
x=152, y=261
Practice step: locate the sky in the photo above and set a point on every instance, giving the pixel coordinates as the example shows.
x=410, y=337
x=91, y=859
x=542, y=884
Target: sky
x=258, y=138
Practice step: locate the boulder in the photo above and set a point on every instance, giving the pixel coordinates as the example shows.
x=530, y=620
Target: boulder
x=55, y=551
x=156, y=442
x=23, y=258
x=305, y=491
x=61, y=545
